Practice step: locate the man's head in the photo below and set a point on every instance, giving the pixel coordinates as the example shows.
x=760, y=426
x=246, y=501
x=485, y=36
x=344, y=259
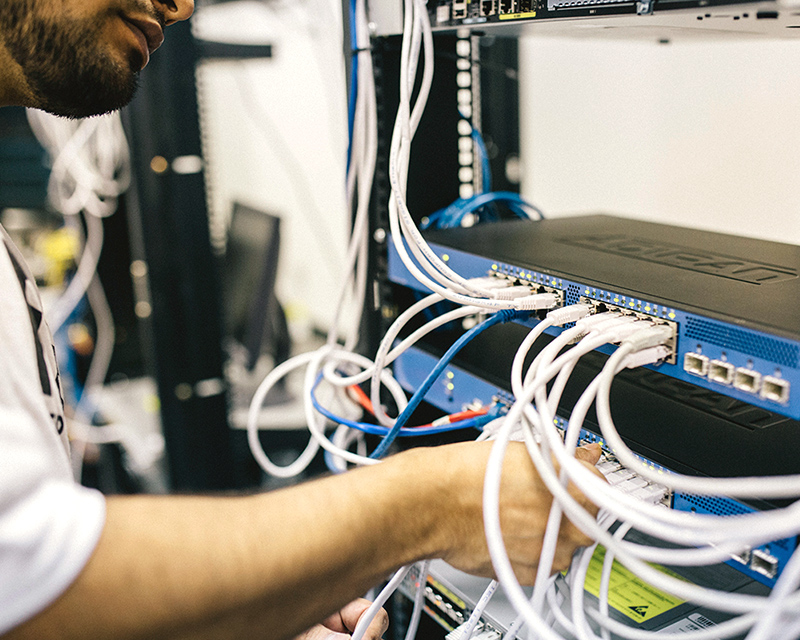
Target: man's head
x=78, y=58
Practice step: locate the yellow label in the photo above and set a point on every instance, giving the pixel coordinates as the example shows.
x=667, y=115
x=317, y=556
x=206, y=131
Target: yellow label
x=518, y=16
x=628, y=593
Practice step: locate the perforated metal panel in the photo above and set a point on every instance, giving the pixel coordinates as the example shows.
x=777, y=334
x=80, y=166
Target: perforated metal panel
x=573, y=293
x=715, y=506
x=744, y=341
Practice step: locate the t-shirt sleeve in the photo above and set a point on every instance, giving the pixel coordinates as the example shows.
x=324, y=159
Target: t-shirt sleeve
x=49, y=524
x=46, y=538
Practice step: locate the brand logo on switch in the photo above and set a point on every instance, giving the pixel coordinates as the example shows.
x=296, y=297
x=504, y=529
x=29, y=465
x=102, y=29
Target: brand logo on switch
x=685, y=258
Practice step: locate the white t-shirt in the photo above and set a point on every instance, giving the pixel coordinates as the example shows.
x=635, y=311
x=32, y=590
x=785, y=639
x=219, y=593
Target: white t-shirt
x=49, y=525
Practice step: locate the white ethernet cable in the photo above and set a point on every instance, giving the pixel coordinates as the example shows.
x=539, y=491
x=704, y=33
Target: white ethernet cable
x=466, y=630
x=532, y=615
x=604, y=332
x=364, y=152
x=433, y=273
x=90, y=170
x=760, y=487
x=369, y=615
x=419, y=599
x=442, y=279
x=90, y=161
x=312, y=360
x=657, y=518
x=359, y=186
x=417, y=35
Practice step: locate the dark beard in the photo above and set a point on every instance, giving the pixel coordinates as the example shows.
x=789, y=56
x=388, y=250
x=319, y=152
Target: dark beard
x=68, y=76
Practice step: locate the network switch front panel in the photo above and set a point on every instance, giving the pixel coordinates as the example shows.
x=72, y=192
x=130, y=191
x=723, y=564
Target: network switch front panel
x=733, y=301
x=637, y=19
x=697, y=15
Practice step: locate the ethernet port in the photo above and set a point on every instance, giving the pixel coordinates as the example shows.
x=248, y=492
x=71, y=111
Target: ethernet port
x=764, y=563
x=695, y=364
x=747, y=380
x=775, y=389
x=720, y=371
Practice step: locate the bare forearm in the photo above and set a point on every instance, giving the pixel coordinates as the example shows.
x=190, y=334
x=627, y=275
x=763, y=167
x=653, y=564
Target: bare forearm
x=260, y=566
x=272, y=565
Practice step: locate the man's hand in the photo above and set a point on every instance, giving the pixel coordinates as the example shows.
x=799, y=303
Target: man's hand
x=524, y=508
x=340, y=625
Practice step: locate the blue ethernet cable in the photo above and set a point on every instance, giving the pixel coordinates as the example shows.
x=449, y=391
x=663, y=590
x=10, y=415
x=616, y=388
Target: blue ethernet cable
x=351, y=100
x=500, y=317
x=409, y=432
x=452, y=215
x=483, y=155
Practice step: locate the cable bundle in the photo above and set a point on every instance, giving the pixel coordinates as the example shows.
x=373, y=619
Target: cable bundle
x=701, y=540
x=556, y=608
x=340, y=368
x=90, y=170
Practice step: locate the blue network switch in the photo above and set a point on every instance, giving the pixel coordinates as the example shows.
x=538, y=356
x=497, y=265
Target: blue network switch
x=735, y=302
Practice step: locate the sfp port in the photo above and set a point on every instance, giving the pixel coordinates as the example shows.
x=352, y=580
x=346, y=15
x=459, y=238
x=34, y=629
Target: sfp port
x=721, y=371
x=764, y=563
x=775, y=389
x=695, y=364
x=747, y=380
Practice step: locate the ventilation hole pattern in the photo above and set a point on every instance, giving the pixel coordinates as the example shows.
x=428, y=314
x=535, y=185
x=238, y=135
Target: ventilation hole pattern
x=572, y=294
x=716, y=506
x=729, y=337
